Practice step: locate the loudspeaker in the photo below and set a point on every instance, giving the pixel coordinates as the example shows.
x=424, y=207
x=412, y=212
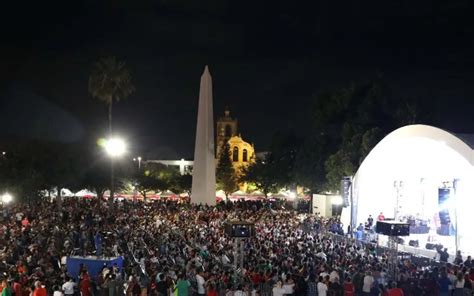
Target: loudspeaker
x=430, y=246
x=414, y=243
x=239, y=229
x=392, y=228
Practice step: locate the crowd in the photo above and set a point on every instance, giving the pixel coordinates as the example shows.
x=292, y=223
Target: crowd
x=180, y=249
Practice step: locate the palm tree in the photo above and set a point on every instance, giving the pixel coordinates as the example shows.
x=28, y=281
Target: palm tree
x=110, y=81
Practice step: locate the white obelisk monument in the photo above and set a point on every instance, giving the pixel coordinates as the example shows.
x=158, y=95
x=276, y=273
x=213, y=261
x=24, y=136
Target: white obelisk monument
x=203, y=190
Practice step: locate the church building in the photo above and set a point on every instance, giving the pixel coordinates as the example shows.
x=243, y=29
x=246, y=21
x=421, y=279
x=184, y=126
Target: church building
x=242, y=153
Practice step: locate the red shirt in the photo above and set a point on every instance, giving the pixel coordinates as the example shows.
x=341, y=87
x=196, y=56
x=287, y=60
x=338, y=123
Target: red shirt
x=39, y=292
x=256, y=278
x=17, y=288
x=395, y=292
x=349, y=289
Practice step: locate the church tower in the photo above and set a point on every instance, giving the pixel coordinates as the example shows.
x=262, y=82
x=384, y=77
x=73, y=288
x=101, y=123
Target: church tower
x=226, y=129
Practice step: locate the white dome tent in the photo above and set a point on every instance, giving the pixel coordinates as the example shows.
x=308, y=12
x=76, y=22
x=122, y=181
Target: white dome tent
x=423, y=175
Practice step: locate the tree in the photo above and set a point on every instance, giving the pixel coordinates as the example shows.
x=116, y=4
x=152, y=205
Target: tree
x=96, y=178
x=110, y=81
x=225, y=172
x=282, y=157
x=261, y=174
x=145, y=182
x=309, y=164
x=365, y=113
x=182, y=183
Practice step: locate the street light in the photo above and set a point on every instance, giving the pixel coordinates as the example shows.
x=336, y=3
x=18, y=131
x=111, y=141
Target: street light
x=7, y=198
x=139, y=159
x=114, y=147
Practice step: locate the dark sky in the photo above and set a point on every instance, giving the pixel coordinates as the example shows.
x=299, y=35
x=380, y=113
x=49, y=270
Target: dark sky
x=267, y=58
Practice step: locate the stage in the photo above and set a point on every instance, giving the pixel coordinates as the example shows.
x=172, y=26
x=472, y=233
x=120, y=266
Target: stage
x=423, y=176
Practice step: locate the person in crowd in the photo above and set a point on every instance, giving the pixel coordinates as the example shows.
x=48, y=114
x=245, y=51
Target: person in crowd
x=395, y=291
x=289, y=286
x=182, y=286
x=458, y=259
x=368, y=283
x=322, y=287
x=370, y=221
x=468, y=262
x=39, y=289
x=85, y=284
x=201, y=282
x=6, y=288
x=444, y=284
x=57, y=291
x=312, y=286
x=349, y=288
x=459, y=285
x=278, y=289
x=69, y=286
x=443, y=255
x=381, y=217
x=162, y=285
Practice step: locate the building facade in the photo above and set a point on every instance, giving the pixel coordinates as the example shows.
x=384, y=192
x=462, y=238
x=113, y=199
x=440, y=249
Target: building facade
x=226, y=128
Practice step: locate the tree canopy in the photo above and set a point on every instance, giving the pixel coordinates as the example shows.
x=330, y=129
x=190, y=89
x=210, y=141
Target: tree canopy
x=226, y=176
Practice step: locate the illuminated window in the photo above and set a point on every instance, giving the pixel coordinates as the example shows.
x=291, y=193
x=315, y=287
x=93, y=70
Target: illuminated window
x=235, y=154
x=244, y=155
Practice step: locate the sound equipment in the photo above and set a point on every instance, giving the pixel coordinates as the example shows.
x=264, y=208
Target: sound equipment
x=444, y=195
x=414, y=243
x=430, y=246
x=392, y=228
x=239, y=229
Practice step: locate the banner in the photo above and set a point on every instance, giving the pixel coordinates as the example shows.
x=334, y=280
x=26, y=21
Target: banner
x=94, y=265
x=346, y=184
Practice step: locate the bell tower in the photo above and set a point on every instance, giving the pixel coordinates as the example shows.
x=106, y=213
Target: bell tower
x=225, y=129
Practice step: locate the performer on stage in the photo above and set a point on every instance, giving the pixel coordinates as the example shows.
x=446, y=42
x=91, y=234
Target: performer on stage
x=380, y=217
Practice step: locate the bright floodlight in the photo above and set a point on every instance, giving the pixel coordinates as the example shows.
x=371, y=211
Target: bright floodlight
x=292, y=195
x=6, y=198
x=115, y=147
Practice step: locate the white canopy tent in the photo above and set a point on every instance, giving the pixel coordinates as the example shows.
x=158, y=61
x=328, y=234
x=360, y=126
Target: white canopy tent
x=423, y=174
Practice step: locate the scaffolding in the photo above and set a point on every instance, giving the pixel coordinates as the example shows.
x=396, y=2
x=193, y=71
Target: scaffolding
x=239, y=253
x=392, y=257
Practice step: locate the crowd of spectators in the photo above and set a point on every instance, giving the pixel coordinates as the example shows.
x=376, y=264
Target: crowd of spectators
x=181, y=249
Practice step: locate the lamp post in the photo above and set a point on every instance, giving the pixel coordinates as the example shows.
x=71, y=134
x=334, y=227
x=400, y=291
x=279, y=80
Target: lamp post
x=114, y=147
x=6, y=198
x=139, y=159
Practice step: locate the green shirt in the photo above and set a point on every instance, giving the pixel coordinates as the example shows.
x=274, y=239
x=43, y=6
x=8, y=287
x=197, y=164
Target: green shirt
x=7, y=291
x=182, y=287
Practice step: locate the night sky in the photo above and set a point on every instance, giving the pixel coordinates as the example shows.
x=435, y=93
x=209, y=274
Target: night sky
x=267, y=59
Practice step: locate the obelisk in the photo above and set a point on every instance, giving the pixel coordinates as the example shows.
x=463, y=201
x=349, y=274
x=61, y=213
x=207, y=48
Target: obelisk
x=203, y=190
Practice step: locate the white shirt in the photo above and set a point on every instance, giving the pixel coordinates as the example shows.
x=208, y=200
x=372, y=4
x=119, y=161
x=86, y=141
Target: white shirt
x=459, y=284
x=68, y=288
x=322, y=289
x=334, y=276
x=200, y=284
x=368, y=281
x=289, y=288
x=278, y=291
x=58, y=293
